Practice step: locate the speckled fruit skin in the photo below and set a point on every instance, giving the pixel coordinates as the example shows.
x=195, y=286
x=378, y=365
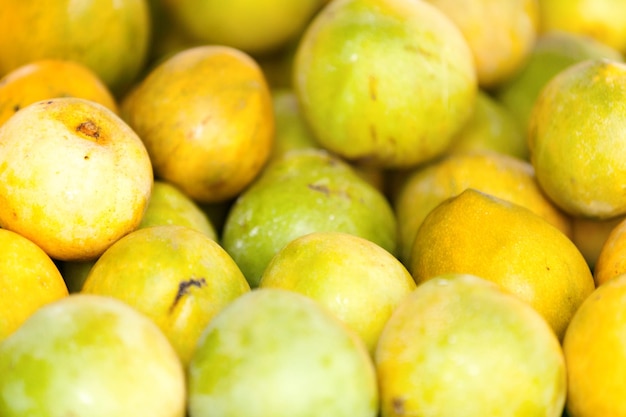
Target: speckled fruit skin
x=90, y=356
x=277, y=353
x=384, y=82
x=74, y=177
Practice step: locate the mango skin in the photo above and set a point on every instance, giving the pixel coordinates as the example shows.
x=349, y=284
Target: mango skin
x=384, y=82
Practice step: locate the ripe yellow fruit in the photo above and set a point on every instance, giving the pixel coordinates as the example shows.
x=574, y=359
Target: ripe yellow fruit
x=600, y=19
x=74, y=177
x=612, y=258
x=354, y=278
x=476, y=233
x=256, y=27
x=497, y=174
x=110, y=38
x=50, y=78
x=595, y=354
x=385, y=82
x=577, y=140
x=205, y=115
x=29, y=279
x=500, y=33
x=177, y=276
x=460, y=346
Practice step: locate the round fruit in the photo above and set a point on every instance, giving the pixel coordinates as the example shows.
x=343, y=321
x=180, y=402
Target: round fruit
x=459, y=346
x=388, y=82
x=205, y=115
x=500, y=33
x=50, y=78
x=577, y=141
x=305, y=191
x=497, y=174
x=28, y=280
x=249, y=25
x=74, y=177
x=506, y=243
x=275, y=353
x=595, y=353
x=177, y=276
x=355, y=279
x=110, y=38
x=90, y=356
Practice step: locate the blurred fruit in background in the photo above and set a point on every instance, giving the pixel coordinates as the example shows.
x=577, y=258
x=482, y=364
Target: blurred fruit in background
x=387, y=83
x=206, y=117
x=500, y=33
x=110, y=38
x=51, y=78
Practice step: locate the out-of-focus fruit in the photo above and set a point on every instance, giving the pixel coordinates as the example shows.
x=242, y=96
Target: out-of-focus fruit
x=170, y=206
x=90, y=356
x=110, y=38
x=491, y=127
x=552, y=53
x=590, y=235
x=357, y=280
x=612, y=258
x=305, y=191
x=460, y=346
x=277, y=353
x=249, y=25
x=389, y=82
x=205, y=115
x=74, y=177
x=175, y=275
x=595, y=354
x=577, y=139
x=508, y=244
x=50, y=78
x=599, y=19
x=500, y=175
x=500, y=33
x=29, y=279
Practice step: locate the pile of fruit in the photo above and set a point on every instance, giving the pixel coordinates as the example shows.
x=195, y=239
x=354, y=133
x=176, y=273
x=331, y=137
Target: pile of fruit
x=312, y=208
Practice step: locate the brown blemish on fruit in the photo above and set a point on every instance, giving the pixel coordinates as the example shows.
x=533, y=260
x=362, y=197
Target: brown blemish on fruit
x=397, y=404
x=183, y=289
x=373, y=133
x=320, y=188
x=16, y=108
x=89, y=128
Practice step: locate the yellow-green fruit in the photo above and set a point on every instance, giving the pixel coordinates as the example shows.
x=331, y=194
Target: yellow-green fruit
x=459, y=346
x=388, y=82
x=503, y=242
x=357, y=280
x=577, y=139
x=552, y=53
x=175, y=275
x=110, y=38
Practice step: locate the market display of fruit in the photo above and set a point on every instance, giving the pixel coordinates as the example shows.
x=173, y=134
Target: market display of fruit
x=338, y=208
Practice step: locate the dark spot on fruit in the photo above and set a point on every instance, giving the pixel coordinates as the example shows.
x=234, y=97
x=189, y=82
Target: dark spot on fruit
x=398, y=405
x=373, y=84
x=373, y=133
x=89, y=128
x=320, y=188
x=16, y=108
x=86, y=157
x=183, y=289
